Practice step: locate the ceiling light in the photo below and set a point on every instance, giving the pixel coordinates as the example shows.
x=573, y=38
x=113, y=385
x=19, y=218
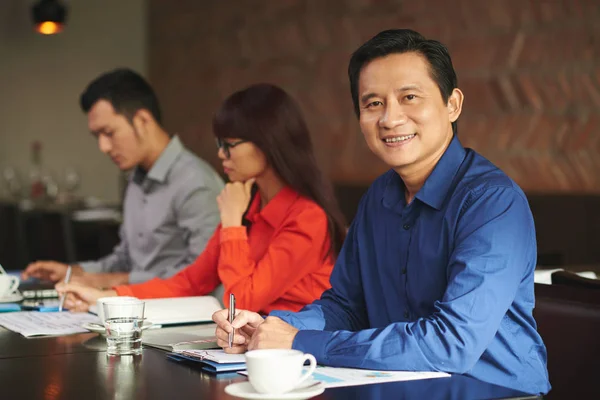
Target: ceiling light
x=49, y=16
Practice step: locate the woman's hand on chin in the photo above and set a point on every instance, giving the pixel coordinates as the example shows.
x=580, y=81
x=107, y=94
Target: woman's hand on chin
x=233, y=202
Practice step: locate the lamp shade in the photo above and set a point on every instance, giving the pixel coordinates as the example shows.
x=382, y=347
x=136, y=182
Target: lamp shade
x=49, y=16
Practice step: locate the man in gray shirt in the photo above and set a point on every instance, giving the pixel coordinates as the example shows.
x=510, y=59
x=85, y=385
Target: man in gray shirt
x=170, y=209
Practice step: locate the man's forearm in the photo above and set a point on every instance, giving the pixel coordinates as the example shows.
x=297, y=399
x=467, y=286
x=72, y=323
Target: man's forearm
x=107, y=280
x=116, y=279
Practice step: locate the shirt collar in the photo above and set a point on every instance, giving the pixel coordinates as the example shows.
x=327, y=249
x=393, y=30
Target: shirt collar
x=275, y=210
x=163, y=164
x=441, y=181
x=437, y=186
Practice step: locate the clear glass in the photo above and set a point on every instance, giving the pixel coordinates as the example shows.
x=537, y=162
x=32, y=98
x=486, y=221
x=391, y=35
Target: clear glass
x=71, y=180
x=123, y=323
x=12, y=183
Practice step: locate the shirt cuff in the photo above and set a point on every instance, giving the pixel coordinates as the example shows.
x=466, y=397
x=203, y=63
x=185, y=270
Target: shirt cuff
x=92, y=266
x=313, y=342
x=233, y=233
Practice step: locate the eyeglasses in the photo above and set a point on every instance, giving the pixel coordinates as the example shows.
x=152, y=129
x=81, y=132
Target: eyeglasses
x=226, y=146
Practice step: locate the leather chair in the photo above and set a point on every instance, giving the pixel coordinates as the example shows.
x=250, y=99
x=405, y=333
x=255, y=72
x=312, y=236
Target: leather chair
x=574, y=280
x=568, y=320
x=12, y=250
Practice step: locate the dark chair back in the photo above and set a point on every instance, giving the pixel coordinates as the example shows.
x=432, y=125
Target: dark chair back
x=12, y=250
x=572, y=279
x=568, y=320
x=45, y=237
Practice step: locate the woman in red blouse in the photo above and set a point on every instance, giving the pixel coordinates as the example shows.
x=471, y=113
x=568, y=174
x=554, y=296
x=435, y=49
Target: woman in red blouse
x=281, y=228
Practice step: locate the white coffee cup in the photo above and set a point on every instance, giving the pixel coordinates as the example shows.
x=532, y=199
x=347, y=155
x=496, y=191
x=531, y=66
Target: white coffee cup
x=113, y=300
x=276, y=371
x=8, y=285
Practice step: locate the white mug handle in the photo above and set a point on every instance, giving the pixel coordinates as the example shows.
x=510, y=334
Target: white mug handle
x=14, y=284
x=312, y=367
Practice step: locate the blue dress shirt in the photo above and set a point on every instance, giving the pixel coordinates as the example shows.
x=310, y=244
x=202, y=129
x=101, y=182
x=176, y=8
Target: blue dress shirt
x=444, y=283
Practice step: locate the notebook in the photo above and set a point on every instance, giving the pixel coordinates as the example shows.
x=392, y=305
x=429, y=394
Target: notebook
x=214, y=361
x=165, y=339
x=217, y=356
x=179, y=310
x=220, y=374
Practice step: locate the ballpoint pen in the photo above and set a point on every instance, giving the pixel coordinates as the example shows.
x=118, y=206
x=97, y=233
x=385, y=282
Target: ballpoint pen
x=62, y=298
x=231, y=317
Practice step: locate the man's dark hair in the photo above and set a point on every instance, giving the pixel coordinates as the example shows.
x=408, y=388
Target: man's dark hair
x=125, y=89
x=404, y=41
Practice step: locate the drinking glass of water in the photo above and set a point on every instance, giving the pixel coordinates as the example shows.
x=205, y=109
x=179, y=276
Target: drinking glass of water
x=123, y=323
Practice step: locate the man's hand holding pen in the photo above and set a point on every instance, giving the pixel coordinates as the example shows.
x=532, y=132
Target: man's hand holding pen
x=252, y=332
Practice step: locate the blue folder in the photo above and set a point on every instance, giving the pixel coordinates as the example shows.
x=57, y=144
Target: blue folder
x=45, y=305
x=207, y=365
x=8, y=307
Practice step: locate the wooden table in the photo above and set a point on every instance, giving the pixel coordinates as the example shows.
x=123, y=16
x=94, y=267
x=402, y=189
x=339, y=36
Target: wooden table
x=77, y=367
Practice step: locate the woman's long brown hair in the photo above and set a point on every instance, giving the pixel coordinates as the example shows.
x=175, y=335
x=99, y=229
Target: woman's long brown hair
x=267, y=116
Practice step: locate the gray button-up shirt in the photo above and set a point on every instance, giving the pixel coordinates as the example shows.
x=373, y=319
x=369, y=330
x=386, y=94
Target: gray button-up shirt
x=168, y=216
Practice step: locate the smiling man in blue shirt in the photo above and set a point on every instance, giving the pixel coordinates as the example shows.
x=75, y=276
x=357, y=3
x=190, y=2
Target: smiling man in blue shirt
x=436, y=273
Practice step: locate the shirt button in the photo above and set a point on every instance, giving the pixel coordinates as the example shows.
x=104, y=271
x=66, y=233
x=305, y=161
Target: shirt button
x=406, y=314
x=406, y=227
x=144, y=200
x=403, y=271
x=140, y=234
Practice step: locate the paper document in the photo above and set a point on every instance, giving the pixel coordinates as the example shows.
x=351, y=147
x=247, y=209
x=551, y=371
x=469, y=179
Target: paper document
x=339, y=377
x=33, y=323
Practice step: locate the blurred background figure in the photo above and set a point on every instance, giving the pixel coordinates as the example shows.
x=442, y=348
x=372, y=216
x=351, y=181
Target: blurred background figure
x=169, y=209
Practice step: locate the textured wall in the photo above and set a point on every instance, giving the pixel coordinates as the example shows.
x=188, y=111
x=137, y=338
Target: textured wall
x=530, y=70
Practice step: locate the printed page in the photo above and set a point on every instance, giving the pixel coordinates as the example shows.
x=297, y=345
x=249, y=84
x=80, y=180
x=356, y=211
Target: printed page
x=33, y=323
x=339, y=377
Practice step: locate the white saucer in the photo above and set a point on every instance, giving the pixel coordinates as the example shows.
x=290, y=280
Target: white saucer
x=11, y=298
x=94, y=327
x=246, y=391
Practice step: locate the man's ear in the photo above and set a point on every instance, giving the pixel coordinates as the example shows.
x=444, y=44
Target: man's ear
x=455, y=102
x=141, y=121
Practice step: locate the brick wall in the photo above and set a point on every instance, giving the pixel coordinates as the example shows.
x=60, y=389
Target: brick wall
x=530, y=70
